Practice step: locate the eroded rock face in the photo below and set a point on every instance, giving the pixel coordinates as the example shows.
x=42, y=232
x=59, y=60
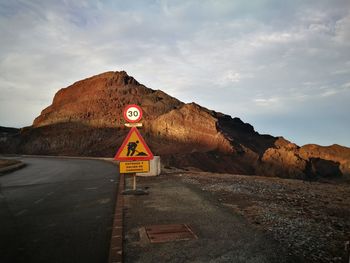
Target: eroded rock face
x=283, y=160
x=85, y=119
x=99, y=101
x=193, y=125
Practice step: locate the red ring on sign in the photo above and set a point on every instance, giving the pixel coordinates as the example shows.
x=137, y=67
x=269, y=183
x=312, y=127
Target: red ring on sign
x=126, y=110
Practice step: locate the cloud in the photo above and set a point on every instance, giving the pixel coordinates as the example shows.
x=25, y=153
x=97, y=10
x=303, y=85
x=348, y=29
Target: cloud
x=342, y=30
x=266, y=102
x=346, y=85
x=252, y=59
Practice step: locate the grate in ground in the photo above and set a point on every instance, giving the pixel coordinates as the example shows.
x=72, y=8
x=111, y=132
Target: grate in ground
x=168, y=233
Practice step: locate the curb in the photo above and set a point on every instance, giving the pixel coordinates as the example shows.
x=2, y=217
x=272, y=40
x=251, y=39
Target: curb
x=12, y=168
x=108, y=159
x=116, y=248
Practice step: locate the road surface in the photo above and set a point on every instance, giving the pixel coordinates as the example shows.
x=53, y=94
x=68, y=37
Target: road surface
x=57, y=210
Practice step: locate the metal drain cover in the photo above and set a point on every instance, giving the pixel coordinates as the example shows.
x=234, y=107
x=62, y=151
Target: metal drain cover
x=167, y=233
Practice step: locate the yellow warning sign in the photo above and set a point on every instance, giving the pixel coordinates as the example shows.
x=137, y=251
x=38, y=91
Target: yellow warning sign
x=134, y=148
x=134, y=167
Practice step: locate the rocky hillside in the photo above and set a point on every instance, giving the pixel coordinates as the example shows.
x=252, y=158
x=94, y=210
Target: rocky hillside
x=85, y=119
x=99, y=101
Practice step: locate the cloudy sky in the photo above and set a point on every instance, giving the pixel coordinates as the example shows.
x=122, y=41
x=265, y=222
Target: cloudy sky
x=283, y=66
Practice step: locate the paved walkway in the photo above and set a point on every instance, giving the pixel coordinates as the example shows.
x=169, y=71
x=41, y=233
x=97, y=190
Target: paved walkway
x=222, y=235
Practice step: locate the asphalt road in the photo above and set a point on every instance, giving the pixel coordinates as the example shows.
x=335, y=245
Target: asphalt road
x=57, y=210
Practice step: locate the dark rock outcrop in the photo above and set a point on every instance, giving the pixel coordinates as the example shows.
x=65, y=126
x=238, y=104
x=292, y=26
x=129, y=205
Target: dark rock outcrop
x=8, y=139
x=338, y=154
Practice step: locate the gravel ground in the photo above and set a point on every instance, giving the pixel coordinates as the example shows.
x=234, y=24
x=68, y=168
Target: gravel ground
x=311, y=219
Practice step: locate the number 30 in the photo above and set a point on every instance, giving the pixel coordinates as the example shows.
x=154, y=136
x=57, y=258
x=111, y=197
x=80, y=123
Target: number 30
x=133, y=113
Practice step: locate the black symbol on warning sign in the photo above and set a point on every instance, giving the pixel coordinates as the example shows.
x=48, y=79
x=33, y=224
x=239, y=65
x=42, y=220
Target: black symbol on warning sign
x=132, y=149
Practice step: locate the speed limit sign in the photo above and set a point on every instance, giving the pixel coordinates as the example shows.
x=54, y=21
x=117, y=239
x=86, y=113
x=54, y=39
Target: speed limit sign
x=132, y=113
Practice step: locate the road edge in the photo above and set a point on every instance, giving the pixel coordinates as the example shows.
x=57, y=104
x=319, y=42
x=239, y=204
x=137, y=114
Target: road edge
x=12, y=168
x=116, y=247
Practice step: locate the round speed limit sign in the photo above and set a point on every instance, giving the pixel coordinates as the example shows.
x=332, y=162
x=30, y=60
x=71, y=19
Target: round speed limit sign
x=132, y=113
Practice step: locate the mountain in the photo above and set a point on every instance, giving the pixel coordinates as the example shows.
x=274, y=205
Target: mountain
x=85, y=119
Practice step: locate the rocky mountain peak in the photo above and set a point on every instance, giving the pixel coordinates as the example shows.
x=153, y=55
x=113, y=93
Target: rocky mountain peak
x=121, y=78
x=99, y=101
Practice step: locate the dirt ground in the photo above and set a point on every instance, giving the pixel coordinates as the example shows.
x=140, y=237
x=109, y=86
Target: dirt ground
x=5, y=163
x=310, y=219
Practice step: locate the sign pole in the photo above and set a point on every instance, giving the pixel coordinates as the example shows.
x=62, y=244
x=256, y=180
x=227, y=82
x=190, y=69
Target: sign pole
x=134, y=184
x=134, y=154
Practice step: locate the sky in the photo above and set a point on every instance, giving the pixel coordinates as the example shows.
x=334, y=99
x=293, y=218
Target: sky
x=282, y=66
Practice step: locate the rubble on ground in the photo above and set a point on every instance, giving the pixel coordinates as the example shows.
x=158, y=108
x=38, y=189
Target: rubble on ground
x=312, y=219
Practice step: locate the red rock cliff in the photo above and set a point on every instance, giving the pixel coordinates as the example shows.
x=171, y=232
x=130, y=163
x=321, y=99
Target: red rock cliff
x=86, y=119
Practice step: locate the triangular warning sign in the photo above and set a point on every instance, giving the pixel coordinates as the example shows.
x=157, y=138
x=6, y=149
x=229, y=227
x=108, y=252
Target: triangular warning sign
x=134, y=148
